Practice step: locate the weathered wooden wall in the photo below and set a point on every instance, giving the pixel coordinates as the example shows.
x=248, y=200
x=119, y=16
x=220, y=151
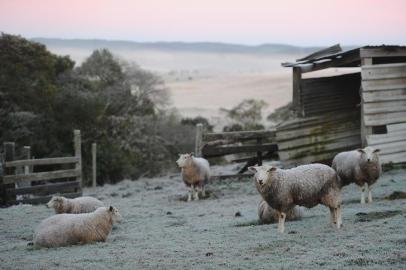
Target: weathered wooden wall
x=384, y=108
x=328, y=94
x=318, y=139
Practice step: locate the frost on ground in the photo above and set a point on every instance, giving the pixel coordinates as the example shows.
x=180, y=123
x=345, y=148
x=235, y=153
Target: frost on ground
x=160, y=231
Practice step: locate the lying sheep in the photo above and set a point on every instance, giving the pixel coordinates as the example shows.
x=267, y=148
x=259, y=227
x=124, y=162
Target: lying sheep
x=307, y=185
x=361, y=166
x=269, y=215
x=195, y=174
x=70, y=229
x=74, y=206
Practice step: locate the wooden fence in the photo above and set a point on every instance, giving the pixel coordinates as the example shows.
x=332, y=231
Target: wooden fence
x=25, y=186
x=260, y=142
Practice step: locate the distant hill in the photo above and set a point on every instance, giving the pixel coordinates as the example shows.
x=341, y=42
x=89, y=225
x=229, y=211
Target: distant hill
x=209, y=47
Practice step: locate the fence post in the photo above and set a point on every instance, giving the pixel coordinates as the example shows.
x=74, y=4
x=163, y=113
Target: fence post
x=9, y=155
x=27, y=155
x=259, y=153
x=94, y=147
x=78, y=153
x=199, y=140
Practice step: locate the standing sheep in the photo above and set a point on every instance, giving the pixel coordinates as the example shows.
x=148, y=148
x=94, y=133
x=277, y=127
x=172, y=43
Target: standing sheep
x=195, y=174
x=269, y=215
x=307, y=185
x=70, y=229
x=361, y=166
x=74, y=206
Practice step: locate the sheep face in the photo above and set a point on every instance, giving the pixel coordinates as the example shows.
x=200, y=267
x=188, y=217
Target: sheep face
x=56, y=202
x=115, y=215
x=369, y=154
x=262, y=174
x=184, y=160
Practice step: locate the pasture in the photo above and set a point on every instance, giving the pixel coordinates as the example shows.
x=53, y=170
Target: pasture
x=161, y=231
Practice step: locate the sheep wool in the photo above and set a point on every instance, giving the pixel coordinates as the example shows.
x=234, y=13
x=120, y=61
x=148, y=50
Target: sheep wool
x=267, y=214
x=306, y=185
x=70, y=229
x=195, y=174
x=361, y=166
x=74, y=206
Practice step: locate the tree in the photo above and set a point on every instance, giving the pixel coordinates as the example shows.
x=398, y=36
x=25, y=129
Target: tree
x=247, y=115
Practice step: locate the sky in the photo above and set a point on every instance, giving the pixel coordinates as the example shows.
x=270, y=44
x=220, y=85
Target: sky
x=296, y=22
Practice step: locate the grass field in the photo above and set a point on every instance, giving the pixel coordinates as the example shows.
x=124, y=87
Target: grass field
x=160, y=231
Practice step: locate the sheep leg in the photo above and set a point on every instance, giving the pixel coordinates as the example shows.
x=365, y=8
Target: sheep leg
x=362, y=194
x=338, y=217
x=203, y=191
x=281, y=222
x=189, y=195
x=196, y=193
x=333, y=215
x=369, y=193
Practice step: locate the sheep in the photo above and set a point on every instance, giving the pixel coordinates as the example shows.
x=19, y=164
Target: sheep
x=195, y=174
x=269, y=215
x=361, y=166
x=306, y=185
x=74, y=206
x=70, y=229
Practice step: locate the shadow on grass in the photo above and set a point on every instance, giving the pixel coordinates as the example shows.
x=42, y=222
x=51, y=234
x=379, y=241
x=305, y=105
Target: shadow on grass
x=366, y=217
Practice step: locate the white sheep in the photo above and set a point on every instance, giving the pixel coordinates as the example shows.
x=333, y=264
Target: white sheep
x=269, y=215
x=195, y=174
x=70, y=229
x=75, y=206
x=361, y=166
x=306, y=185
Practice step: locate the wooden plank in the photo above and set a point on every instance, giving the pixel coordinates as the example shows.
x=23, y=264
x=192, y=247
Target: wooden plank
x=94, y=169
x=385, y=107
x=321, y=138
x=227, y=150
x=77, y=143
x=297, y=123
x=391, y=147
x=383, y=71
x=375, y=139
x=41, y=176
x=239, y=135
x=349, y=142
x=47, y=189
x=378, y=96
x=384, y=118
x=323, y=129
x=46, y=199
x=394, y=158
x=396, y=127
x=384, y=84
x=387, y=51
x=199, y=140
x=42, y=161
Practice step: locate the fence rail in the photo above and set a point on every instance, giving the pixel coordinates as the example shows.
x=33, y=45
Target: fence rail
x=25, y=186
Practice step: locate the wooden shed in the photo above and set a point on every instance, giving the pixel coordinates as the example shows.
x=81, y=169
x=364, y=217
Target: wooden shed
x=343, y=112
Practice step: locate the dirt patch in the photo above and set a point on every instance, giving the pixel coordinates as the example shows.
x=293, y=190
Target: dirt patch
x=396, y=195
x=366, y=217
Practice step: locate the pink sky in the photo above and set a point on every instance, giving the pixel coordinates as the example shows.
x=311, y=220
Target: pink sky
x=306, y=22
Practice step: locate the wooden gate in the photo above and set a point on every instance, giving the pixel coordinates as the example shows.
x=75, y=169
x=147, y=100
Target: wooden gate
x=20, y=184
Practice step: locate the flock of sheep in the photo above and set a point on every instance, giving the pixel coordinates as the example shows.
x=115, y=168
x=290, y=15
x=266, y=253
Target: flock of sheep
x=284, y=193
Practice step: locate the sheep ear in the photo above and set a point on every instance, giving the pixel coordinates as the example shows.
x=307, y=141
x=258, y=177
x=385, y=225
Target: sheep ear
x=111, y=209
x=361, y=151
x=377, y=150
x=272, y=169
x=252, y=169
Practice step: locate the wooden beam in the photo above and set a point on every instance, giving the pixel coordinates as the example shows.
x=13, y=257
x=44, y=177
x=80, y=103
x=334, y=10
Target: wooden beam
x=297, y=95
x=42, y=161
x=383, y=71
x=365, y=131
x=240, y=135
x=199, y=139
x=384, y=51
x=40, y=176
x=222, y=151
x=47, y=189
x=77, y=142
x=94, y=153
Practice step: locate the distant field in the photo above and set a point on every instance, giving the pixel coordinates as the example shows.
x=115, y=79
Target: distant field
x=202, y=82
